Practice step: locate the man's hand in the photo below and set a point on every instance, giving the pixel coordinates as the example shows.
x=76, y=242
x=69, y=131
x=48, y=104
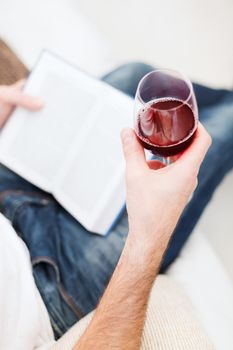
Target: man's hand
x=157, y=195
x=11, y=96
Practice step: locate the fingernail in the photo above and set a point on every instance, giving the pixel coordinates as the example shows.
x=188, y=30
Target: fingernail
x=127, y=134
x=38, y=101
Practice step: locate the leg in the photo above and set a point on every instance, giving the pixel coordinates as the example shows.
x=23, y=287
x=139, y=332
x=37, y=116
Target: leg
x=207, y=96
x=127, y=77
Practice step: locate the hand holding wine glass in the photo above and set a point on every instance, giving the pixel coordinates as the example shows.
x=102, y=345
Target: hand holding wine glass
x=156, y=195
x=166, y=114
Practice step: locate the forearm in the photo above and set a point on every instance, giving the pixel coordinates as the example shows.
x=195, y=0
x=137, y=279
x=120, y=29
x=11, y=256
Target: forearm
x=156, y=197
x=119, y=318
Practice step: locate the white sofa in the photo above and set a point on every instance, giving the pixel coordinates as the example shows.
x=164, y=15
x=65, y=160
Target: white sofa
x=30, y=26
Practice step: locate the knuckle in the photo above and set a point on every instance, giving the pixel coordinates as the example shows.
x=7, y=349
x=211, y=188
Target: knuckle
x=189, y=175
x=193, y=183
x=189, y=182
x=209, y=139
x=196, y=183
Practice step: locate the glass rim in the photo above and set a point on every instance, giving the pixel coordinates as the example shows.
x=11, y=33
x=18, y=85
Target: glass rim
x=185, y=79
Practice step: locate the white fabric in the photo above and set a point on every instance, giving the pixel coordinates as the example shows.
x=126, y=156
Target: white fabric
x=24, y=321
x=206, y=283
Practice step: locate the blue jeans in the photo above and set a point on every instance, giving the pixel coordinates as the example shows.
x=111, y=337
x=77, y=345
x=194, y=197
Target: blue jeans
x=72, y=266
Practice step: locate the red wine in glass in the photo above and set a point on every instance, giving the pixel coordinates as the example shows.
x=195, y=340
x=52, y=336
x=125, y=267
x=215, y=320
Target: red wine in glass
x=165, y=114
x=166, y=126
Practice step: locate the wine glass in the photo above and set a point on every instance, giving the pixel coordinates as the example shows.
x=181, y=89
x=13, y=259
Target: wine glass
x=165, y=114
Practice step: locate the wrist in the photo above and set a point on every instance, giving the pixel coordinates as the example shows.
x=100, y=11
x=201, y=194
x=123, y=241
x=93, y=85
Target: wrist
x=144, y=251
x=150, y=240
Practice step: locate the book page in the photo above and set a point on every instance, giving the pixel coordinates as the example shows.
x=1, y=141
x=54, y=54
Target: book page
x=35, y=144
x=71, y=148
x=95, y=172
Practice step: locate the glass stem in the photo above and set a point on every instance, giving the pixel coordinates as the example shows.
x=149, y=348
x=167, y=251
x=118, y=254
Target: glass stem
x=167, y=160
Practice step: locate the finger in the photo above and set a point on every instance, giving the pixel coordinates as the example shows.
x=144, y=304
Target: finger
x=155, y=164
x=4, y=115
x=133, y=151
x=196, y=152
x=174, y=158
x=19, y=84
x=18, y=98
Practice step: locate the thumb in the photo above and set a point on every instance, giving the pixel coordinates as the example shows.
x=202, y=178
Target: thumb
x=133, y=151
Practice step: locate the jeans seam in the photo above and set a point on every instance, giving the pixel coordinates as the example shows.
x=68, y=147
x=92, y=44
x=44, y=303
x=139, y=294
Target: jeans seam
x=18, y=204
x=64, y=294
x=54, y=317
x=25, y=193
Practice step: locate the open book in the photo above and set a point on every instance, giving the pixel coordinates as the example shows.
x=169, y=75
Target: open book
x=71, y=148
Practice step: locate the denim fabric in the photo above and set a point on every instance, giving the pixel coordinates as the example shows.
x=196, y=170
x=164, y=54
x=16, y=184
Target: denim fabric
x=72, y=266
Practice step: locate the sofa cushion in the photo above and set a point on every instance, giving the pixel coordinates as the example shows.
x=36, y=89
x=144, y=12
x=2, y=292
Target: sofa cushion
x=31, y=26
x=170, y=324
x=206, y=283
